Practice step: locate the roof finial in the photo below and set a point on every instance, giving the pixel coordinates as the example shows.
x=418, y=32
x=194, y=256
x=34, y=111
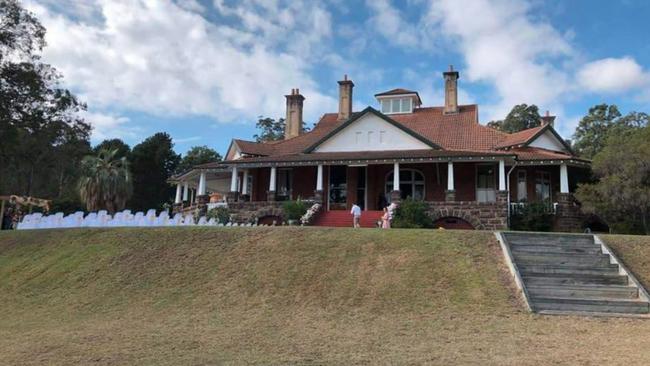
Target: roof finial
x=345, y=77
x=548, y=114
x=451, y=67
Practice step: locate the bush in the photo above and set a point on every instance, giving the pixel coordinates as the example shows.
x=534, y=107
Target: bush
x=293, y=210
x=66, y=205
x=534, y=216
x=412, y=214
x=221, y=214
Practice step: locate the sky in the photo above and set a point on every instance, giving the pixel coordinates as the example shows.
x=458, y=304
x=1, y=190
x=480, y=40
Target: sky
x=205, y=70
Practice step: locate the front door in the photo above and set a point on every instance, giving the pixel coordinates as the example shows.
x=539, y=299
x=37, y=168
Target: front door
x=338, y=187
x=485, y=183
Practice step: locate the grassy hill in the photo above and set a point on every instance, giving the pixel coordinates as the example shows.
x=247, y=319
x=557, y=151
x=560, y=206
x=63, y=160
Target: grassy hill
x=170, y=296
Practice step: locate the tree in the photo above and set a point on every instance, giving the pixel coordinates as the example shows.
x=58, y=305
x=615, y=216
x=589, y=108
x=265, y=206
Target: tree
x=521, y=117
x=622, y=195
x=197, y=155
x=105, y=181
x=272, y=130
x=41, y=133
x=153, y=162
x=123, y=150
x=589, y=137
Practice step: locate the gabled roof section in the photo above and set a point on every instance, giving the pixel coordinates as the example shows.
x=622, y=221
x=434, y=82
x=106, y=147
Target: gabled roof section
x=357, y=116
x=526, y=137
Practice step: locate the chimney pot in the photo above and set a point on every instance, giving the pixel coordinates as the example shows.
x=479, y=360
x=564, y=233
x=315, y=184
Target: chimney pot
x=547, y=119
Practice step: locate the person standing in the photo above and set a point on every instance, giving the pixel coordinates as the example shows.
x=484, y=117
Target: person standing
x=385, y=219
x=356, y=215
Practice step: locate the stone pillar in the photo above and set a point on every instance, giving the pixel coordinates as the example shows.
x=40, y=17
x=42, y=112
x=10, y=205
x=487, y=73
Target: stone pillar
x=318, y=193
x=202, y=204
x=395, y=196
x=272, y=180
x=568, y=216
x=450, y=193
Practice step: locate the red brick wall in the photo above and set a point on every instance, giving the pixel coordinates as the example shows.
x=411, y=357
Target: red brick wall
x=304, y=182
x=531, y=172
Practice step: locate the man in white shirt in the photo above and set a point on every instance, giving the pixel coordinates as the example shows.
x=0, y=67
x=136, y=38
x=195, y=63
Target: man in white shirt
x=356, y=215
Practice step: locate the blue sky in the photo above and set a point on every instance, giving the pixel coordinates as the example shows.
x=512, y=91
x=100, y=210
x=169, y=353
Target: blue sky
x=204, y=70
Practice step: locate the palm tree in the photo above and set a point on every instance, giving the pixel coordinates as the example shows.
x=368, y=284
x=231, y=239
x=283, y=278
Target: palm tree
x=105, y=181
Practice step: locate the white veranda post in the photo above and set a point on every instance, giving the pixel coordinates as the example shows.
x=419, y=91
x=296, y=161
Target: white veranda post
x=319, y=178
x=564, y=179
x=201, y=191
x=396, y=177
x=272, y=180
x=233, y=180
x=244, y=188
x=502, y=175
x=179, y=193
x=450, y=176
x=186, y=191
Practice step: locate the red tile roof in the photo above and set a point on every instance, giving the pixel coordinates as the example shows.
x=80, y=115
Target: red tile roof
x=458, y=132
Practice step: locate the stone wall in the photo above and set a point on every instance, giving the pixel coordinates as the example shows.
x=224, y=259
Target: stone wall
x=481, y=215
x=568, y=216
x=245, y=212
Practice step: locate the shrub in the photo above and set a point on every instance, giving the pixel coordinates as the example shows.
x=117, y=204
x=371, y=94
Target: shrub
x=67, y=206
x=412, y=214
x=222, y=214
x=534, y=216
x=293, y=210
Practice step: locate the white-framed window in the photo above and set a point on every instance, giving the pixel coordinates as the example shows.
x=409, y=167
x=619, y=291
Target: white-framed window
x=522, y=189
x=396, y=105
x=543, y=186
x=411, y=184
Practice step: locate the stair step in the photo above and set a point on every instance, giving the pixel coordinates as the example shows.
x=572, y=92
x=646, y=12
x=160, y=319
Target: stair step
x=532, y=279
x=559, y=242
x=561, y=259
x=584, y=291
x=591, y=305
x=591, y=249
x=568, y=269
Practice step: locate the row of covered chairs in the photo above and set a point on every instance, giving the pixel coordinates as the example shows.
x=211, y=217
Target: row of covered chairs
x=120, y=219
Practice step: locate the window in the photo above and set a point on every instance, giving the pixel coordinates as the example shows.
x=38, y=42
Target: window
x=396, y=105
x=522, y=189
x=411, y=184
x=485, y=183
x=543, y=186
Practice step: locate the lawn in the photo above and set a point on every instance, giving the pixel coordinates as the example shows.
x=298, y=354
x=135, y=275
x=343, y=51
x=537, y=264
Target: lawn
x=196, y=296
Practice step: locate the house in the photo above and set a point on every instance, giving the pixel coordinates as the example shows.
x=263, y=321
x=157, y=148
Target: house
x=470, y=175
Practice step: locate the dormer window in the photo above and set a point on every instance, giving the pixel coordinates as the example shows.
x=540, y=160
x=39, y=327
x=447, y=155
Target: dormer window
x=396, y=105
x=398, y=101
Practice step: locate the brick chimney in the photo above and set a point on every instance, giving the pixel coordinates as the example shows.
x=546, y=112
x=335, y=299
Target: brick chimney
x=345, y=98
x=451, y=90
x=548, y=119
x=293, y=121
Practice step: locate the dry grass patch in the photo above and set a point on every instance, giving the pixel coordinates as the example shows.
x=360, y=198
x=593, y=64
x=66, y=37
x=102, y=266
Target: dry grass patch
x=281, y=296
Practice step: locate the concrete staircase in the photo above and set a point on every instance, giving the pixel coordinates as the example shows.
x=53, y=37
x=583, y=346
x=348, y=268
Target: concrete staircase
x=572, y=274
x=343, y=218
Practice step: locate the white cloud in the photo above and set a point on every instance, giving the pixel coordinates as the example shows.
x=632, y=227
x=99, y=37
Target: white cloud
x=504, y=46
x=387, y=21
x=613, y=75
x=159, y=58
x=107, y=126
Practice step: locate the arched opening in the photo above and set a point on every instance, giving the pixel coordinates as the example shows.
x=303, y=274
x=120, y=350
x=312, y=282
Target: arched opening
x=452, y=223
x=411, y=184
x=595, y=224
x=270, y=220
